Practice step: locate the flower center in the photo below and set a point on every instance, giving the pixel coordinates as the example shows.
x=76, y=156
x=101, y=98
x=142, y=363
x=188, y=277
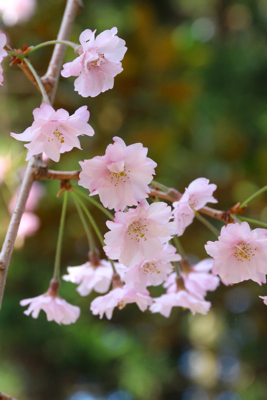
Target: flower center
x=244, y=251
x=137, y=230
x=96, y=63
x=116, y=177
x=193, y=202
x=58, y=135
x=150, y=268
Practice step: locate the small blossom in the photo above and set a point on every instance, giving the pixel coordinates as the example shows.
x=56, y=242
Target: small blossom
x=152, y=273
x=119, y=297
x=138, y=233
x=182, y=298
x=98, y=62
x=196, y=196
x=120, y=177
x=54, y=132
x=56, y=308
x=91, y=277
x=16, y=11
x=239, y=254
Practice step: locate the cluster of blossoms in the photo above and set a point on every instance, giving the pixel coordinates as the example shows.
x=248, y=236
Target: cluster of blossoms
x=139, y=237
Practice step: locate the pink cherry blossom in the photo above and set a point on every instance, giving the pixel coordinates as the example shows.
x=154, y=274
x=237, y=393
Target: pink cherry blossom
x=182, y=298
x=121, y=176
x=239, y=254
x=15, y=11
x=197, y=280
x=196, y=196
x=119, y=297
x=138, y=233
x=98, y=62
x=56, y=308
x=91, y=277
x=3, y=54
x=54, y=132
x=152, y=273
x=264, y=298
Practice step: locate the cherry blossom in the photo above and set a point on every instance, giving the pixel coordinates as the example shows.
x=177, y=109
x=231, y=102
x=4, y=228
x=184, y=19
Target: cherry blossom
x=196, y=196
x=91, y=277
x=98, y=62
x=15, y=11
x=54, y=132
x=239, y=254
x=3, y=54
x=56, y=308
x=138, y=233
x=197, y=279
x=264, y=298
x=152, y=273
x=119, y=297
x=182, y=298
x=121, y=176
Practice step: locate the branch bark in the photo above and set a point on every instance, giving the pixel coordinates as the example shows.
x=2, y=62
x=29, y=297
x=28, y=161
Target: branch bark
x=72, y=7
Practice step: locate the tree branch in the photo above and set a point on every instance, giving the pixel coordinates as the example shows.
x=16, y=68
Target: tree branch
x=50, y=79
x=72, y=7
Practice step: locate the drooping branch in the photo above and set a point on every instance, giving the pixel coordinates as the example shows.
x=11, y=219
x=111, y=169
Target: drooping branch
x=72, y=7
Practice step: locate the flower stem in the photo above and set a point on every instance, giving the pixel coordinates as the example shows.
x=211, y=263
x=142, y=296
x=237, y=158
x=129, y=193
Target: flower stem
x=60, y=236
x=253, y=221
x=66, y=42
x=91, y=219
x=207, y=224
x=98, y=205
x=179, y=246
x=253, y=196
x=159, y=185
x=88, y=232
x=38, y=80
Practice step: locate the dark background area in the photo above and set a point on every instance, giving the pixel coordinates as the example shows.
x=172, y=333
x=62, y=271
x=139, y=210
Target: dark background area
x=194, y=91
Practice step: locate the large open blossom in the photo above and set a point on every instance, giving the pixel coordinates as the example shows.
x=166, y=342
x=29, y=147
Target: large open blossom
x=3, y=54
x=54, y=132
x=239, y=254
x=119, y=297
x=91, y=277
x=196, y=196
x=121, y=176
x=139, y=233
x=98, y=62
x=56, y=308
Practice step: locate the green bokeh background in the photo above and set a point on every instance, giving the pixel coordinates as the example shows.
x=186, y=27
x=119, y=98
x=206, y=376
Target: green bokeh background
x=194, y=91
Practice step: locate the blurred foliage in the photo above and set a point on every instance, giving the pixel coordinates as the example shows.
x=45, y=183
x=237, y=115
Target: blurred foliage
x=194, y=91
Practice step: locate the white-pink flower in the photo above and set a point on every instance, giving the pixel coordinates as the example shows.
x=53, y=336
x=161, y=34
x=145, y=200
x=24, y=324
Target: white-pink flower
x=119, y=297
x=197, y=280
x=182, y=298
x=91, y=277
x=239, y=254
x=138, y=233
x=54, y=132
x=196, y=196
x=3, y=54
x=56, y=308
x=15, y=11
x=121, y=176
x=98, y=62
x=152, y=273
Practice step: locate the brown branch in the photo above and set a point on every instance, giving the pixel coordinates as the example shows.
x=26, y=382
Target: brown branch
x=4, y=396
x=50, y=79
x=45, y=173
x=35, y=162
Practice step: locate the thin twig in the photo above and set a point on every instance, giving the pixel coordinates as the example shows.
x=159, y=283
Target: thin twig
x=72, y=7
x=4, y=396
x=50, y=79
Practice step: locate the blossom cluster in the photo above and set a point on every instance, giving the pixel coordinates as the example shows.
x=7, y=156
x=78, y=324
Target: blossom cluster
x=138, y=244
